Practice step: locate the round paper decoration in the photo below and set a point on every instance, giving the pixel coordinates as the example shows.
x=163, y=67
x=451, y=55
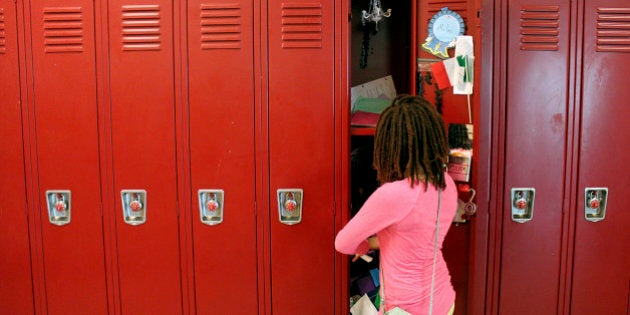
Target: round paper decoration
x=444, y=27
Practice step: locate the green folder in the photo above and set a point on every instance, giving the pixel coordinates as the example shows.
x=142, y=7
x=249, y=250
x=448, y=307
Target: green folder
x=371, y=105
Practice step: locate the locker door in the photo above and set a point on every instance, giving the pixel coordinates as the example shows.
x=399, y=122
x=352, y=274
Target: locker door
x=222, y=127
x=65, y=133
x=301, y=153
x=536, y=111
x=16, y=291
x=143, y=144
x=601, y=271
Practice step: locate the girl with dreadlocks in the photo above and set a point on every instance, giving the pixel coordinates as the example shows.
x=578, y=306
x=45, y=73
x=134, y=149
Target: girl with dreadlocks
x=400, y=217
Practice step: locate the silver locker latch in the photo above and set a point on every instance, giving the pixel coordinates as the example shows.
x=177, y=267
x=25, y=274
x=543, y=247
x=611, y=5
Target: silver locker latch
x=595, y=203
x=211, y=206
x=134, y=203
x=290, y=205
x=522, y=204
x=59, y=206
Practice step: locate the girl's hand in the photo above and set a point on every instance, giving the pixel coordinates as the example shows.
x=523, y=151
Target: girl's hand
x=373, y=241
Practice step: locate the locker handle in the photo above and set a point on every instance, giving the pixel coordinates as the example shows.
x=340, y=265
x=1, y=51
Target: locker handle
x=522, y=204
x=134, y=206
x=59, y=206
x=595, y=199
x=290, y=205
x=211, y=206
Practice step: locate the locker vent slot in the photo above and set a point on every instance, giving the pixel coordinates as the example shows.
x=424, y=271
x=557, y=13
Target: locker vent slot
x=221, y=26
x=613, y=29
x=141, y=27
x=3, y=40
x=459, y=6
x=540, y=27
x=301, y=25
x=63, y=29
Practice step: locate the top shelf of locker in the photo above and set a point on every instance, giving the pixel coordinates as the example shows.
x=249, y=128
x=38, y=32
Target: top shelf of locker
x=362, y=131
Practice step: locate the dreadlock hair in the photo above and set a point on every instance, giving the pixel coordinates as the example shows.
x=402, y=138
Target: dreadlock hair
x=410, y=142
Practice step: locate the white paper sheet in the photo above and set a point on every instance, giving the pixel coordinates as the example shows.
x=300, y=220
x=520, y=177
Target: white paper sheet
x=379, y=88
x=363, y=307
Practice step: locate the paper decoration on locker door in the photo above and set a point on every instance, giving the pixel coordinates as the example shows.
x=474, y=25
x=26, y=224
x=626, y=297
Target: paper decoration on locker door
x=443, y=28
x=464, y=51
x=457, y=72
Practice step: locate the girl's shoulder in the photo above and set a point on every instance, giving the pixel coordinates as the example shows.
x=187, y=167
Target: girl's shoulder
x=400, y=190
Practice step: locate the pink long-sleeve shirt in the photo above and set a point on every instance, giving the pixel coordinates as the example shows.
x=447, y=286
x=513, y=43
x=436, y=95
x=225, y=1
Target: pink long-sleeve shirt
x=404, y=219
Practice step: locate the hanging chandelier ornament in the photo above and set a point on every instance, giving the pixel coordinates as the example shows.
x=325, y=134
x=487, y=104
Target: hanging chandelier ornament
x=376, y=13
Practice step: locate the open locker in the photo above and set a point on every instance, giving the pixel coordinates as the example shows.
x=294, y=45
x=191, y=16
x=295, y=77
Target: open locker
x=393, y=52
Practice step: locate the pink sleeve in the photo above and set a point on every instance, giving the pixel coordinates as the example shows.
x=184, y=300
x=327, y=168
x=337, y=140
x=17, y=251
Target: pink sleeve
x=371, y=219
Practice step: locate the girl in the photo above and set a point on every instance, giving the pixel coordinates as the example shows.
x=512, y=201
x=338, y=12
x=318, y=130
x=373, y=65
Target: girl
x=410, y=156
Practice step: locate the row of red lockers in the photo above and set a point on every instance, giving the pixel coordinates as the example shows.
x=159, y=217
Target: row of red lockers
x=112, y=106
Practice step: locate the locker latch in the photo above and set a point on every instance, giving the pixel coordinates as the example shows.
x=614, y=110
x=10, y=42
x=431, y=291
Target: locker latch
x=522, y=204
x=134, y=203
x=211, y=206
x=290, y=205
x=595, y=203
x=58, y=206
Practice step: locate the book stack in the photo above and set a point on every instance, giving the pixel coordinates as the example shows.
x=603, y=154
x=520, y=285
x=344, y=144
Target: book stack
x=366, y=111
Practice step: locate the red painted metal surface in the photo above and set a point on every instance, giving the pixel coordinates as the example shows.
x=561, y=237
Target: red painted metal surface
x=16, y=291
x=601, y=264
x=567, y=136
x=455, y=109
x=535, y=129
x=142, y=84
x=459, y=109
x=222, y=153
x=65, y=137
x=302, y=153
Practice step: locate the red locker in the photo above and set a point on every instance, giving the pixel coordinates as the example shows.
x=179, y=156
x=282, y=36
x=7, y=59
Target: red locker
x=141, y=93
x=16, y=290
x=223, y=127
x=561, y=239
x=63, y=140
x=535, y=128
x=302, y=154
x=601, y=260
